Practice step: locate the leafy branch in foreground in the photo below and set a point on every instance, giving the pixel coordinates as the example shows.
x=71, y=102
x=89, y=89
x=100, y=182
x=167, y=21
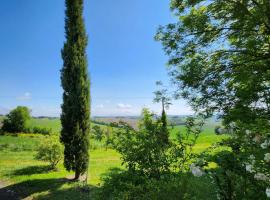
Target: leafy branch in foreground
x=219, y=58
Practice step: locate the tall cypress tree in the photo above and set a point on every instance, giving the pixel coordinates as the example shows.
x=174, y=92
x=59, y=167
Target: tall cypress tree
x=75, y=117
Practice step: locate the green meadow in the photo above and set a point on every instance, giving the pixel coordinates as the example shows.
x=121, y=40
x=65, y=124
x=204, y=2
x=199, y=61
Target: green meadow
x=31, y=178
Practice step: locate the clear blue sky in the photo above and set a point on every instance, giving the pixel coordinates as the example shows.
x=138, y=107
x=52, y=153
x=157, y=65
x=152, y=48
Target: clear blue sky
x=124, y=60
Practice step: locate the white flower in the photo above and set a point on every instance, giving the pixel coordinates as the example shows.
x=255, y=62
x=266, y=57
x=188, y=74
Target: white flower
x=267, y=157
x=249, y=168
x=267, y=192
x=265, y=144
x=248, y=132
x=261, y=177
x=196, y=170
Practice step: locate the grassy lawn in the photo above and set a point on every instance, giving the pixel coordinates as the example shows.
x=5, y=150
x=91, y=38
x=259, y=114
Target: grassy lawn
x=28, y=176
x=31, y=178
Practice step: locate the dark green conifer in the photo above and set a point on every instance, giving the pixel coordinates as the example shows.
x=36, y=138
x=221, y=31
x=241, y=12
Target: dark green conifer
x=162, y=96
x=75, y=117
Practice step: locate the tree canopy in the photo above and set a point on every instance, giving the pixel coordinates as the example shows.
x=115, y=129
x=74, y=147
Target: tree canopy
x=16, y=120
x=219, y=56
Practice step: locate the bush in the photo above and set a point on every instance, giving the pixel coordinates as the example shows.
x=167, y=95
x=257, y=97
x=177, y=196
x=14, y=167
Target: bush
x=40, y=130
x=127, y=186
x=146, y=151
x=120, y=185
x=242, y=171
x=51, y=150
x=97, y=133
x=143, y=149
x=16, y=120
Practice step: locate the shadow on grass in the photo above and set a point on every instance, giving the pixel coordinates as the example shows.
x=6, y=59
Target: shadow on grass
x=31, y=170
x=174, y=186
x=49, y=189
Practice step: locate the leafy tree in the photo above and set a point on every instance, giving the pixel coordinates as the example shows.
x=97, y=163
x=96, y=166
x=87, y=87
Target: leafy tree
x=16, y=120
x=219, y=57
x=97, y=132
x=108, y=136
x=162, y=96
x=75, y=117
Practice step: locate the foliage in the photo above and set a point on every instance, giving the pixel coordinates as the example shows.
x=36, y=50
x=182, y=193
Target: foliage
x=234, y=176
x=161, y=95
x=75, y=117
x=109, y=137
x=219, y=56
x=41, y=130
x=101, y=162
x=219, y=59
x=126, y=185
x=182, y=150
x=97, y=133
x=144, y=150
x=16, y=120
x=50, y=150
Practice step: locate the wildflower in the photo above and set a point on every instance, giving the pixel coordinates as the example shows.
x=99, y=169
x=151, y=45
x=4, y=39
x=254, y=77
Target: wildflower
x=196, y=170
x=265, y=144
x=267, y=192
x=261, y=177
x=248, y=132
x=267, y=157
x=249, y=168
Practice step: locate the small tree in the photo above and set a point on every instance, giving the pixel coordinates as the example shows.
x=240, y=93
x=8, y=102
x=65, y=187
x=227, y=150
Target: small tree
x=51, y=150
x=108, y=136
x=97, y=132
x=162, y=96
x=16, y=120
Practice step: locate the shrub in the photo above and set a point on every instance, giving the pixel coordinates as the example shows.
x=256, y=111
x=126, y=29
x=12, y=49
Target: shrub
x=51, y=150
x=143, y=149
x=40, y=130
x=109, y=137
x=120, y=185
x=127, y=185
x=97, y=133
x=16, y=120
x=242, y=171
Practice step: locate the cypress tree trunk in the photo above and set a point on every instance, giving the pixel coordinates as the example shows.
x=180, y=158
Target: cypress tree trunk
x=75, y=117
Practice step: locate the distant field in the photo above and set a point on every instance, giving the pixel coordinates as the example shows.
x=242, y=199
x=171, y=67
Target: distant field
x=131, y=121
x=53, y=124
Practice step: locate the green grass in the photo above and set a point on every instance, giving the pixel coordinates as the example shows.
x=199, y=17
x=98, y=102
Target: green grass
x=30, y=177
x=53, y=124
